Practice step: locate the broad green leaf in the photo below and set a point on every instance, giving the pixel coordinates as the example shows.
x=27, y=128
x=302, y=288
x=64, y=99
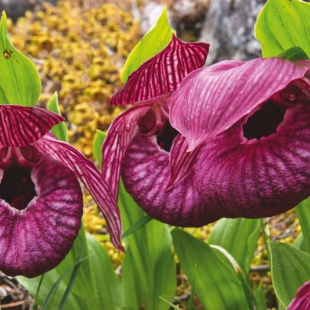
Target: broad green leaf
x=282, y=25
x=260, y=297
x=290, y=269
x=19, y=78
x=60, y=130
x=303, y=213
x=153, y=42
x=105, y=284
x=239, y=237
x=148, y=268
x=97, y=145
x=217, y=284
x=293, y=54
x=299, y=242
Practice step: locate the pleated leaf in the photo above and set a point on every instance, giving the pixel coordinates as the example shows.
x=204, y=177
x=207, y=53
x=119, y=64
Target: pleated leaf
x=303, y=213
x=217, y=284
x=60, y=130
x=148, y=269
x=19, y=78
x=237, y=236
x=282, y=25
x=290, y=269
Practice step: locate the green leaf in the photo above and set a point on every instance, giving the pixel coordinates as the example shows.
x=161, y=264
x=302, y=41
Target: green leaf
x=143, y=221
x=290, y=269
x=105, y=284
x=237, y=236
x=71, y=282
x=19, y=78
x=97, y=145
x=282, y=25
x=60, y=130
x=303, y=214
x=217, y=284
x=148, y=269
x=153, y=42
x=293, y=54
x=299, y=242
x=260, y=297
x=48, y=302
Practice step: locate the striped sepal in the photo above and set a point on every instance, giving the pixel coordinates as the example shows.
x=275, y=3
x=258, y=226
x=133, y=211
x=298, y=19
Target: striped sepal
x=181, y=161
x=89, y=175
x=162, y=73
x=120, y=134
x=20, y=126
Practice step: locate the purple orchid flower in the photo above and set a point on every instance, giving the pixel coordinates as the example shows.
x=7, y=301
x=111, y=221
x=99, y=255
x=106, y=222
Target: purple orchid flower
x=302, y=299
x=41, y=202
x=141, y=144
x=252, y=133
x=229, y=140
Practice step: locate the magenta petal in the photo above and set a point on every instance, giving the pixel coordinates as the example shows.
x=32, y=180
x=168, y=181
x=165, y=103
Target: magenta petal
x=86, y=171
x=237, y=177
x=20, y=126
x=302, y=299
x=212, y=99
x=37, y=238
x=163, y=73
x=181, y=161
x=145, y=173
x=120, y=134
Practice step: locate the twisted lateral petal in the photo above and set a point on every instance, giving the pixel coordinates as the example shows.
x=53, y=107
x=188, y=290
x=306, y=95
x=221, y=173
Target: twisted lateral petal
x=181, y=161
x=37, y=238
x=86, y=171
x=302, y=299
x=212, y=99
x=146, y=171
x=20, y=126
x=254, y=178
x=119, y=136
x=162, y=73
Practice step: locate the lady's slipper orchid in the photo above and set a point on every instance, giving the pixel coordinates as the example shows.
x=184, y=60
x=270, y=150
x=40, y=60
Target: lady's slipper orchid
x=250, y=123
x=41, y=201
x=143, y=147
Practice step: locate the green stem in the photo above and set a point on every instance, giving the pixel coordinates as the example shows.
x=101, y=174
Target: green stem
x=265, y=240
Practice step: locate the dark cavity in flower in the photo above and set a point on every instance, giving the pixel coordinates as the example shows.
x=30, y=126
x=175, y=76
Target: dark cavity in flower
x=166, y=137
x=155, y=122
x=291, y=94
x=264, y=121
x=16, y=187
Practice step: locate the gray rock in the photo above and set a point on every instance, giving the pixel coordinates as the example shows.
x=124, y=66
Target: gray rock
x=229, y=28
x=17, y=8
x=149, y=15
